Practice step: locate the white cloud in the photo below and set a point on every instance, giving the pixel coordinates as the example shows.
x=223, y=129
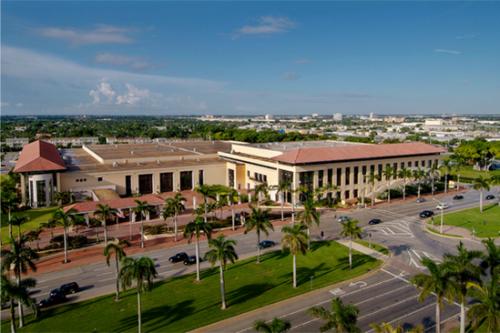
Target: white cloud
x=446, y=51
x=133, y=95
x=103, y=89
x=101, y=34
x=290, y=76
x=266, y=25
x=122, y=60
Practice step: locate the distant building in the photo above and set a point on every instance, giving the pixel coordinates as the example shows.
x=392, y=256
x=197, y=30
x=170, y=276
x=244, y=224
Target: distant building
x=16, y=142
x=268, y=116
x=74, y=142
x=315, y=115
x=337, y=116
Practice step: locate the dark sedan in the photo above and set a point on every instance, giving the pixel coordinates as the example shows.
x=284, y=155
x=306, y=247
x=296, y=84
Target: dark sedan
x=490, y=197
x=374, y=221
x=458, y=197
x=266, y=243
x=56, y=297
x=426, y=213
x=191, y=260
x=178, y=257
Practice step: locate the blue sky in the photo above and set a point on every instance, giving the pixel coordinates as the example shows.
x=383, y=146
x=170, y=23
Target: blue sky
x=168, y=58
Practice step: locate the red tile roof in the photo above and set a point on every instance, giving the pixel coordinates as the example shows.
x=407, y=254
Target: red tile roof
x=356, y=152
x=39, y=156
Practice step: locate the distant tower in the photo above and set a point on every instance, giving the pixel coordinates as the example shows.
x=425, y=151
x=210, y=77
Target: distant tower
x=268, y=116
x=372, y=115
x=337, y=117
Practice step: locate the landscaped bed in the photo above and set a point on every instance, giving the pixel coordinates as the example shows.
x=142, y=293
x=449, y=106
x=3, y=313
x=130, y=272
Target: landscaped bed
x=179, y=304
x=485, y=224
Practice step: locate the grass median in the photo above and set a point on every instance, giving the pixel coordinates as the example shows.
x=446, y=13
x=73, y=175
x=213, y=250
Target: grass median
x=485, y=224
x=377, y=247
x=180, y=304
x=35, y=218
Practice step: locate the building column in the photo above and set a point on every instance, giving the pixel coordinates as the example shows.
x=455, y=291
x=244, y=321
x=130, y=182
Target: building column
x=23, y=189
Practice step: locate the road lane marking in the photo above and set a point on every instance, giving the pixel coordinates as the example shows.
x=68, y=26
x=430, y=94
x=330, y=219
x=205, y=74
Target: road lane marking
x=405, y=315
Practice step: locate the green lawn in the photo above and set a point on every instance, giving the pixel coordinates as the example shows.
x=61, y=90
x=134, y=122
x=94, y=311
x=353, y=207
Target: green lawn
x=36, y=216
x=380, y=248
x=467, y=173
x=179, y=304
x=486, y=224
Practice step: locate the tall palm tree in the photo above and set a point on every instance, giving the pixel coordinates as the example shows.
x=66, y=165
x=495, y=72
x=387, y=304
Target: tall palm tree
x=261, y=190
x=19, y=258
x=309, y=216
x=9, y=202
x=458, y=163
x=419, y=175
x=142, y=208
x=372, y=178
x=18, y=220
x=438, y=283
x=194, y=229
x=207, y=192
x=485, y=308
x=340, y=318
x=277, y=325
x=105, y=213
x=259, y=220
x=352, y=230
x=462, y=271
x=173, y=207
x=221, y=250
x=404, y=173
x=17, y=292
x=480, y=184
x=66, y=219
x=433, y=173
x=50, y=224
x=491, y=259
x=295, y=240
x=142, y=271
x=388, y=173
x=116, y=248
x=447, y=167
x=283, y=188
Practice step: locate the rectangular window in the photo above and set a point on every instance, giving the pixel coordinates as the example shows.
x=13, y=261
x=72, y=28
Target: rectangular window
x=329, y=176
x=320, y=178
x=380, y=171
x=356, y=172
x=186, y=180
x=395, y=170
x=416, y=164
x=409, y=164
x=200, y=178
x=347, y=176
x=99, y=179
x=339, y=175
x=230, y=175
x=128, y=185
x=286, y=177
x=347, y=194
x=146, y=184
x=40, y=192
x=423, y=164
x=306, y=179
x=402, y=165
x=372, y=169
x=355, y=193
x=429, y=164
x=166, y=182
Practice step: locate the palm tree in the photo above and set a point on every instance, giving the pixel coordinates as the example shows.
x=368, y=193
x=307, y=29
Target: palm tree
x=105, y=213
x=340, y=318
x=283, y=188
x=142, y=271
x=438, y=283
x=491, y=259
x=388, y=328
x=66, y=219
x=277, y=325
x=418, y=175
x=259, y=191
x=195, y=229
x=388, y=173
x=309, y=216
x=9, y=202
x=12, y=292
x=207, y=192
x=175, y=206
x=50, y=224
x=142, y=208
x=222, y=251
x=18, y=259
x=18, y=220
x=480, y=184
x=404, y=173
x=458, y=163
x=63, y=197
x=116, y=248
x=295, y=240
x=433, y=172
x=462, y=271
x=372, y=178
x=446, y=167
x=258, y=220
x=353, y=231
x=485, y=308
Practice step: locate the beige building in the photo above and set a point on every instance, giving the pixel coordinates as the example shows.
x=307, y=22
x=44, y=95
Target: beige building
x=153, y=168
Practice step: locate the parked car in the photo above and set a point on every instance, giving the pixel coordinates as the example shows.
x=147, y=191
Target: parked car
x=343, y=218
x=426, y=213
x=266, y=243
x=490, y=197
x=190, y=260
x=442, y=205
x=458, y=197
x=55, y=297
x=420, y=200
x=178, y=257
x=374, y=221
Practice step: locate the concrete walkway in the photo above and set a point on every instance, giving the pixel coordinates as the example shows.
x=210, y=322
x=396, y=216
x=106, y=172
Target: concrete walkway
x=365, y=250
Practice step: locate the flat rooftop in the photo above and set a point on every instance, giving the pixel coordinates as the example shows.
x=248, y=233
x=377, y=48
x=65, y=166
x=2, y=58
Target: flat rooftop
x=287, y=146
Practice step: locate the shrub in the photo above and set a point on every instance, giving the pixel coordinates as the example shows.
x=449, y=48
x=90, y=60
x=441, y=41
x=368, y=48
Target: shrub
x=74, y=242
x=156, y=229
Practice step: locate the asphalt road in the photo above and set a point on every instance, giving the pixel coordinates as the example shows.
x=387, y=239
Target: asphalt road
x=401, y=232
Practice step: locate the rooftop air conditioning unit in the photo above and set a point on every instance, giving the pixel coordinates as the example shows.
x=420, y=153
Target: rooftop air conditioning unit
x=115, y=164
